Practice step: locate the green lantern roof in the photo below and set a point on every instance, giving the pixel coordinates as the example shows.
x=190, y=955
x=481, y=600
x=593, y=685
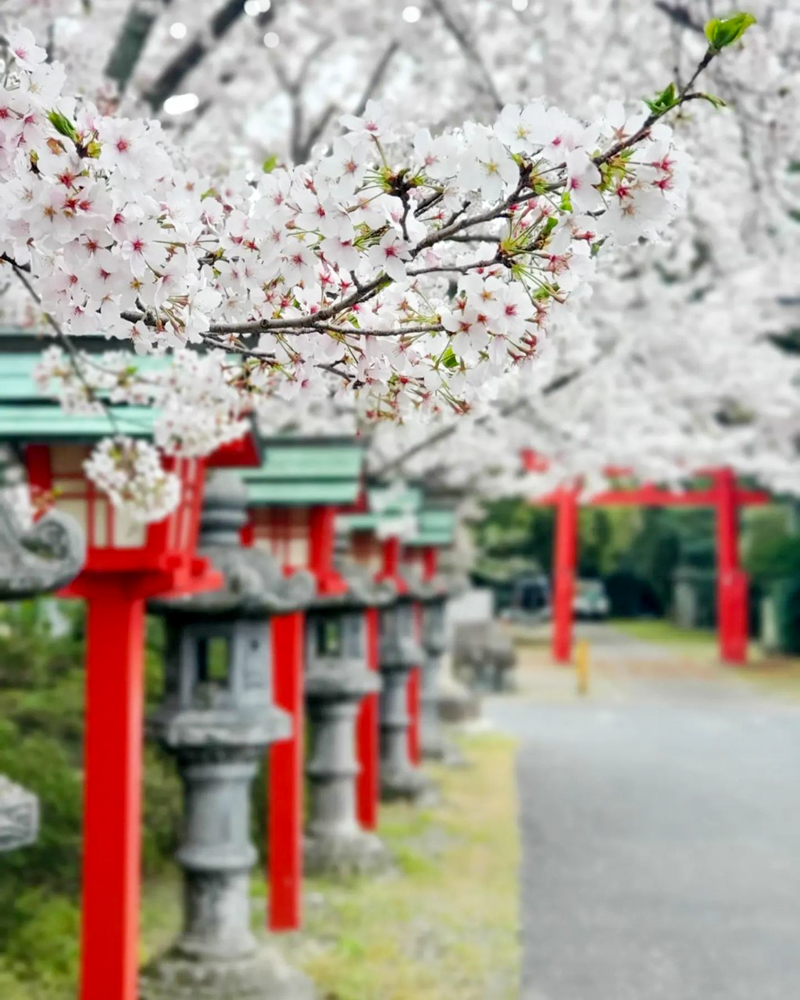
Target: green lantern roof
x=306, y=472
x=386, y=504
x=26, y=415
x=436, y=526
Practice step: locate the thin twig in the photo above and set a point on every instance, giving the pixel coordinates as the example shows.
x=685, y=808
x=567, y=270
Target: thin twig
x=469, y=49
x=445, y=432
x=66, y=343
x=376, y=78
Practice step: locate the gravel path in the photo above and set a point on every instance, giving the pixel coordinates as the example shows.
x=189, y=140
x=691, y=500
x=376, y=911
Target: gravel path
x=661, y=840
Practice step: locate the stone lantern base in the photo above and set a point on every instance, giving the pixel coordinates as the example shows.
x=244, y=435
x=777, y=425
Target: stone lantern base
x=264, y=975
x=346, y=855
x=408, y=785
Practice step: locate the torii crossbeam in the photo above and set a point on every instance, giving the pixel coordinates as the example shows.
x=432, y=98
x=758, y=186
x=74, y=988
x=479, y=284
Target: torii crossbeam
x=732, y=585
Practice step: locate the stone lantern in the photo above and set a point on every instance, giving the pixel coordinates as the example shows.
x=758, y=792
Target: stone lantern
x=435, y=537
x=217, y=718
x=432, y=594
x=400, y=654
x=337, y=681
x=33, y=561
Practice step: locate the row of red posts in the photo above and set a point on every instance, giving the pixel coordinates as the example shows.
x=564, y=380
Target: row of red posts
x=723, y=495
x=127, y=564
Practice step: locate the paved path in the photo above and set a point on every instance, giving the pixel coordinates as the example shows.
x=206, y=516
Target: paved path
x=661, y=840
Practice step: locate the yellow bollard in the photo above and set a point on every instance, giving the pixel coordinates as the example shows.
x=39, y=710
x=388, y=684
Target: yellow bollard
x=582, y=666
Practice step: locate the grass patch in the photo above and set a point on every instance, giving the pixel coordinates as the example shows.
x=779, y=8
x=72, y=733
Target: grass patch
x=445, y=925
x=665, y=633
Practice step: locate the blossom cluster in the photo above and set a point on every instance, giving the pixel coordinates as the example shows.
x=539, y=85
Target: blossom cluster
x=343, y=267
x=132, y=474
x=196, y=403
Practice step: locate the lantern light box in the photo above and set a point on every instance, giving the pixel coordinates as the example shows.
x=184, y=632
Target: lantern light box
x=56, y=444
x=391, y=513
x=116, y=542
x=298, y=480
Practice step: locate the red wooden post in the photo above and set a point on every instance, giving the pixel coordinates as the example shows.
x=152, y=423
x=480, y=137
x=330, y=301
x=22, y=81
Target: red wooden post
x=414, y=682
x=732, y=626
x=391, y=557
x=285, y=779
x=564, y=554
x=112, y=792
x=367, y=737
x=430, y=562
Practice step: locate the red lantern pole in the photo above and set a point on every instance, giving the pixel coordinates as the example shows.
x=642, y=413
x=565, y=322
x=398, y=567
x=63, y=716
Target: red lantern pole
x=321, y=542
x=564, y=555
x=413, y=694
x=732, y=627
x=367, y=735
x=285, y=779
x=112, y=790
x=430, y=562
x=391, y=558
x=391, y=569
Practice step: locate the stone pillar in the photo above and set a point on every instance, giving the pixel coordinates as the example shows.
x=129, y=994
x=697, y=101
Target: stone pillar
x=433, y=642
x=337, y=680
x=217, y=718
x=216, y=854
x=399, y=778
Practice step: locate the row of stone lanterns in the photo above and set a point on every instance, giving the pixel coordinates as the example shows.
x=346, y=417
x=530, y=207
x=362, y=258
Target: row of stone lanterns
x=240, y=621
x=217, y=718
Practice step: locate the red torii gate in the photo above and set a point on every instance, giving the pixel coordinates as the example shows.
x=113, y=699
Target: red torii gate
x=723, y=495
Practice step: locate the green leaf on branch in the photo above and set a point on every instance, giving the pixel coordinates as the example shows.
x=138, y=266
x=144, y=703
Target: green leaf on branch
x=270, y=163
x=449, y=359
x=724, y=31
x=550, y=225
x=662, y=102
x=717, y=102
x=62, y=125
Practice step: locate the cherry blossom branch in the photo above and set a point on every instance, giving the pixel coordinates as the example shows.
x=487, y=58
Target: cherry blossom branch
x=376, y=77
x=684, y=95
x=67, y=344
x=469, y=49
x=680, y=14
x=141, y=16
x=193, y=53
x=454, y=268
x=443, y=433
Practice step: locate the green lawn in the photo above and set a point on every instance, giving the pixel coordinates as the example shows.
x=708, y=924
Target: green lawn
x=664, y=632
x=445, y=924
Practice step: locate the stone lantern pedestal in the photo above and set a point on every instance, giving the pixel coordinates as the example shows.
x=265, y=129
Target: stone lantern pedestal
x=217, y=718
x=432, y=741
x=433, y=592
x=399, y=654
x=337, y=680
x=34, y=559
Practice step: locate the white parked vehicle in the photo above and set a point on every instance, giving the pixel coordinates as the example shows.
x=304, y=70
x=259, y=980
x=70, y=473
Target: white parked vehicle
x=591, y=600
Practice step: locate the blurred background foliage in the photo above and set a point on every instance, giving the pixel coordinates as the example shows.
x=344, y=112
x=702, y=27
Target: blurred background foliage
x=41, y=735
x=640, y=553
